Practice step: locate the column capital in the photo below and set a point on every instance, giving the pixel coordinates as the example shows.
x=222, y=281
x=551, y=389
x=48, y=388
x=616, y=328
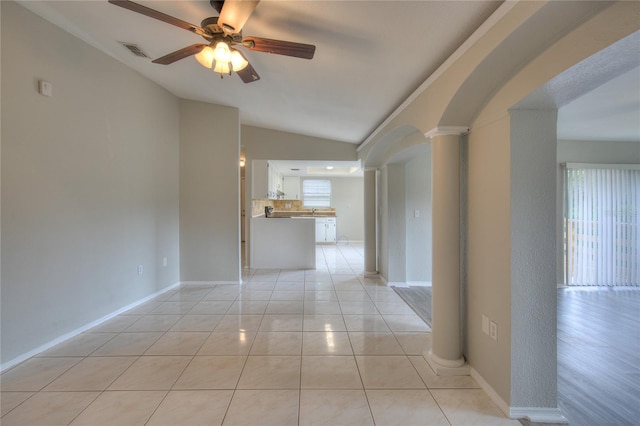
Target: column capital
x=447, y=130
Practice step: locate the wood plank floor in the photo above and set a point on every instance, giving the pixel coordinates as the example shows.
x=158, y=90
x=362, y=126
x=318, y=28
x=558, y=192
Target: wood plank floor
x=419, y=299
x=599, y=356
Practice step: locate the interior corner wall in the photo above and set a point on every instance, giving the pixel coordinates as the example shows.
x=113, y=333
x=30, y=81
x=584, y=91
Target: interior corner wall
x=489, y=253
x=602, y=152
x=396, y=227
x=383, y=223
x=418, y=229
x=347, y=196
x=533, y=256
x=209, y=193
x=89, y=184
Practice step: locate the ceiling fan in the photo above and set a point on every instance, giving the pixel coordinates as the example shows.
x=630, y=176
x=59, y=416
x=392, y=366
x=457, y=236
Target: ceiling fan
x=222, y=34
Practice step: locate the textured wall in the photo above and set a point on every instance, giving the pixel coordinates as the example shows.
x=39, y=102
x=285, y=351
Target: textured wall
x=533, y=256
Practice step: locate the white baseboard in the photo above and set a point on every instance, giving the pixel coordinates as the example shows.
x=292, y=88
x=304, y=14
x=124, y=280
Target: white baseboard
x=195, y=283
x=533, y=414
x=538, y=415
x=82, y=329
x=405, y=284
x=419, y=283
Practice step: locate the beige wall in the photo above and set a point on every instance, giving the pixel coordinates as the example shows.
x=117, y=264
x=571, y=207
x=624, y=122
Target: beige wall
x=489, y=252
x=89, y=184
x=265, y=144
x=418, y=234
x=209, y=192
x=347, y=197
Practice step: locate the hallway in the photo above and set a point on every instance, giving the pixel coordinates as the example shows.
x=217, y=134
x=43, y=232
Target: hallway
x=323, y=346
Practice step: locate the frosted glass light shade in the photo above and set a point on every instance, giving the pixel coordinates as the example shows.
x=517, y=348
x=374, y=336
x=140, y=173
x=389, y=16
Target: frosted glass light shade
x=222, y=52
x=205, y=57
x=238, y=62
x=222, y=67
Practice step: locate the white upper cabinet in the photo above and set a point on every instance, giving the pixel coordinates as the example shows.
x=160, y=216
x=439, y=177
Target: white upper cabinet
x=266, y=180
x=291, y=187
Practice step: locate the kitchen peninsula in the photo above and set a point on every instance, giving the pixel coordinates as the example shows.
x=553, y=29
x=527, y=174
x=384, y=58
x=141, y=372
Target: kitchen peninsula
x=285, y=238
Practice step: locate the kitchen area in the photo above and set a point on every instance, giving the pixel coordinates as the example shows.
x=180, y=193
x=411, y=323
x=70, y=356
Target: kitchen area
x=296, y=206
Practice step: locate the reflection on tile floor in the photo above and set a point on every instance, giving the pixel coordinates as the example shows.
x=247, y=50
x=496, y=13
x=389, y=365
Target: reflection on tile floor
x=324, y=346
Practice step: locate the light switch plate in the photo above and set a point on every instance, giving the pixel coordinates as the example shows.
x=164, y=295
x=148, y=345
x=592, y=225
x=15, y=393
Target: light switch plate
x=485, y=324
x=493, y=330
x=45, y=88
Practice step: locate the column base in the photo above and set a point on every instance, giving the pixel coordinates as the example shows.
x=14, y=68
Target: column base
x=370, y=274
x=446, y=367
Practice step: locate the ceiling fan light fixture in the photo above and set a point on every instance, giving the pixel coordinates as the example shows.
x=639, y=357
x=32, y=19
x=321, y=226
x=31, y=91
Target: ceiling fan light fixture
x=205, y=57
x=238, y=61
x=222, y=67
x=222, y=53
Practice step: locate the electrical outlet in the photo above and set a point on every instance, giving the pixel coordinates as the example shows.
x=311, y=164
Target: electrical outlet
x=140, y=270
x=164, y=261
x=416, y=213
x=493, y=330
x=485, y=324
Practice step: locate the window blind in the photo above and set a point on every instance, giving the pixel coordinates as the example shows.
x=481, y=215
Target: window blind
x=316, y=193
x=602, y=225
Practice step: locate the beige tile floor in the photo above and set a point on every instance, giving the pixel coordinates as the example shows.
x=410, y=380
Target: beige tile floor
x=318, y=347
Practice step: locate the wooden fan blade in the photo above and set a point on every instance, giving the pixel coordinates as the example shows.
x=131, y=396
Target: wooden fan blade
x=248, y=74
x=180, y=54
x=235, y=13
x=279, y=47
x=151, y=13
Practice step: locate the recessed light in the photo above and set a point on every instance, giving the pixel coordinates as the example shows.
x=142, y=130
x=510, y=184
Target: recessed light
x=329, y=167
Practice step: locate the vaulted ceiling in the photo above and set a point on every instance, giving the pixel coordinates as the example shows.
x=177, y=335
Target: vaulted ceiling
x=370, y=56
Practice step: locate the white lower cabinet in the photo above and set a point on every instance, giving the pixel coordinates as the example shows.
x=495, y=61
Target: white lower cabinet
x=325, y=230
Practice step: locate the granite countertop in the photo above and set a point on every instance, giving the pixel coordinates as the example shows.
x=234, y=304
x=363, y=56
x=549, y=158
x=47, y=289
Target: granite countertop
x=303, y=213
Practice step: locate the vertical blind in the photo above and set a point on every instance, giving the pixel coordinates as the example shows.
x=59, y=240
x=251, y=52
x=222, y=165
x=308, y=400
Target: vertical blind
x=602, y=225
x=316, y=193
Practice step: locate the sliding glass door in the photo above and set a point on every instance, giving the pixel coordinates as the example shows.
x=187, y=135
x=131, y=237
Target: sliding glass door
x=602, y=225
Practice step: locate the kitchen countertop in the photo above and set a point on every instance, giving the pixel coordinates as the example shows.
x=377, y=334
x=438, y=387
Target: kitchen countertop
x=287, y=214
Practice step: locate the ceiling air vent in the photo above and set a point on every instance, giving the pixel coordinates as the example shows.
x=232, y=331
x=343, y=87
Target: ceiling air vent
x=134, y=49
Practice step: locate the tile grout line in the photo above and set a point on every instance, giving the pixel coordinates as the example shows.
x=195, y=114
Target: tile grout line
x=244, y=364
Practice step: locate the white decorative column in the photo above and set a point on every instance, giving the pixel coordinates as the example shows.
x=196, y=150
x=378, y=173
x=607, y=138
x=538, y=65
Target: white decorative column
x=370, y=246
x=445, y=356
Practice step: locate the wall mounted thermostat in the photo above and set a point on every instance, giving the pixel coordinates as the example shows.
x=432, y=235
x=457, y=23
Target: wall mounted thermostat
x=45, y=88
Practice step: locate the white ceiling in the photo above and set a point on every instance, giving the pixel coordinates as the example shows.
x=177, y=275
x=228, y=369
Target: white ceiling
x=370, y=55
x=319, y=168
x=610, y=112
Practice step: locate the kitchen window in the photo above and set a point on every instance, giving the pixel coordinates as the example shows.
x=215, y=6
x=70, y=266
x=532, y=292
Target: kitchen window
x=316, y=193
